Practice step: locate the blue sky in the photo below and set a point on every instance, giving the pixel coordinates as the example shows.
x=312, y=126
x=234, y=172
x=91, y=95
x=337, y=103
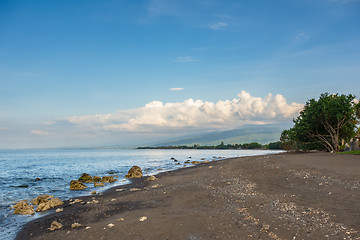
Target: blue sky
x=88, y=72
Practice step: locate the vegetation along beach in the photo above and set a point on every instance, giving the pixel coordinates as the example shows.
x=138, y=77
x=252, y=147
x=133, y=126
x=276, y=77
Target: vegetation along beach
x=179, y=119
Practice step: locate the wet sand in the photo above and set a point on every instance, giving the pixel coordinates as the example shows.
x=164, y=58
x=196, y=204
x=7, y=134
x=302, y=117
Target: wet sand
x=283, y=196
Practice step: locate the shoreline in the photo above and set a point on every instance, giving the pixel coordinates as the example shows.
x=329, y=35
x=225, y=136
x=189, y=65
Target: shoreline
x=223, y=199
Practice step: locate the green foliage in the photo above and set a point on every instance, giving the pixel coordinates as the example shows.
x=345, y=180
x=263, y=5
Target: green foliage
x=252, y=145
x=351, y=152
x=275, y=145
x=323, y=123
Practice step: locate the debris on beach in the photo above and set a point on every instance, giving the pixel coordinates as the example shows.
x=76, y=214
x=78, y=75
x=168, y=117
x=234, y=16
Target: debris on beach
x=110, y=225
x=55, y=225
x=75, y=225
x=24, y=208
x=77, y=185
x=86, y=178
x=195, y=162
x=143, y=219
x=134, y=172
x=113, y=200
x=119, y=190
x=134, y=189
x=156, y=186
x=93, y=192
x=151, y=178
x=120, y=219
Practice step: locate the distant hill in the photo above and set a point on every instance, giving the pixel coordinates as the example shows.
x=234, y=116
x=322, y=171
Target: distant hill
x=250, y=133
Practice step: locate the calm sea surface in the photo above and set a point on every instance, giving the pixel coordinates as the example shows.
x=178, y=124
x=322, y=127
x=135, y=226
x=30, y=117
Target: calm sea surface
x=56, y=168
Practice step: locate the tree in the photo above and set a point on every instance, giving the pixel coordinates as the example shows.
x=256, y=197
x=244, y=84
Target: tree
x=324, y=122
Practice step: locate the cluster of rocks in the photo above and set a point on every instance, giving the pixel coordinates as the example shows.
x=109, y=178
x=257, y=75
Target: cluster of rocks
x=86, y=178
x=188, y=161
x=43, y=203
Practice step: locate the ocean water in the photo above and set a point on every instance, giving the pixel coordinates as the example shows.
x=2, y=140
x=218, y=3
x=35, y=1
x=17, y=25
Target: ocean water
x=56, y=168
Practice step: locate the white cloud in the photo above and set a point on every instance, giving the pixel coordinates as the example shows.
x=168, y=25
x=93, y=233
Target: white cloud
x=157, y=116
x=39, y=133
x=218, y=26
x=185, y=59
x=176, y=89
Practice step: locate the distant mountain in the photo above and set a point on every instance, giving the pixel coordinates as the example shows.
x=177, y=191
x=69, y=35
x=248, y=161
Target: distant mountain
x=250, y=133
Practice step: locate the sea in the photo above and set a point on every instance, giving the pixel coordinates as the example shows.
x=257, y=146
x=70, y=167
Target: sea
x=26, y=174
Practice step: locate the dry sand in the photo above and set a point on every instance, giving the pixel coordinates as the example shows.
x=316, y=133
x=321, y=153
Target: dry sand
x=284, y=196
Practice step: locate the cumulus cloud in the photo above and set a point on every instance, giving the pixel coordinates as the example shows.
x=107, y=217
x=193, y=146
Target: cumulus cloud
x=185, y=59
x=218, y=26
x=176, y=89
x=196, y=114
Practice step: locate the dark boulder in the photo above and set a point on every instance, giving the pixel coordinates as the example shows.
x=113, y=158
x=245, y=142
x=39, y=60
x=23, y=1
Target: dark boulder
x=134, y=172
x=85, y=178
x=77, y=185
x=23, y=208
x=109, y=179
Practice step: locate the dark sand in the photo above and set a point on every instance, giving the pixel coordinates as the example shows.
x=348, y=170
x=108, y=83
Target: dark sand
x=285, y=196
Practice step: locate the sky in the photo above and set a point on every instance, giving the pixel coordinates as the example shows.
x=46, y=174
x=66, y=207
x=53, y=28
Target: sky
x=127, y=72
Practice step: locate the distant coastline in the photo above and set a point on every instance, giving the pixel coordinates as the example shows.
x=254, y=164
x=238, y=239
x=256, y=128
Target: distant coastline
x=222, y=146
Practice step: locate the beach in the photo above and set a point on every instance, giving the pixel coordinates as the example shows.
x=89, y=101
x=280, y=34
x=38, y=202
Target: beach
x=280, y=196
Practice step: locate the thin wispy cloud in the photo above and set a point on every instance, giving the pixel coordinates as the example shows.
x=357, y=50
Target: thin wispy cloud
x=218, y=26
x=185, y=59
x=39, y=132
x=176, y=89
x=301, y=36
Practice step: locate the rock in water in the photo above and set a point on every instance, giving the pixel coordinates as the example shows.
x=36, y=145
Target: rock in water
x=134, y=172
x=86, y=178
x=55, y=225
x=195, y=162
x=42, y=199
x=49, y=204
x=109, y=179
x=96, y=179
x=23, y=208
x=77, y=185
x=99, y=184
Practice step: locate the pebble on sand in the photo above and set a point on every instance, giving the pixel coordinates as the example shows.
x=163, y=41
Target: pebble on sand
x=75, y=225
x=55, y=225
x=59, y=210
x=151, y=178
x=143, y=219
